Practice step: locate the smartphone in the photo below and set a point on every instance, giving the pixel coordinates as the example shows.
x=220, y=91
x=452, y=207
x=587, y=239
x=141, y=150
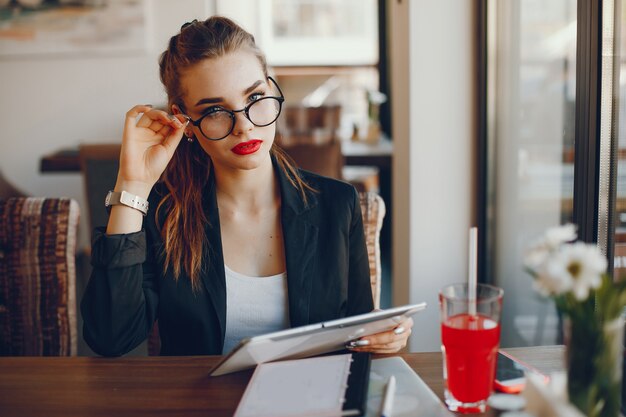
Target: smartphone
x=510, y=373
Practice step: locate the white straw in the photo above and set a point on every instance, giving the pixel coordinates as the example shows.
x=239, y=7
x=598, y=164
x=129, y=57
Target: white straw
x=471, y=285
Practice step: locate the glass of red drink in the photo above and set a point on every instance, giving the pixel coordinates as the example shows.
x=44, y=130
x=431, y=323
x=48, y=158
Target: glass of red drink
x=469, y=343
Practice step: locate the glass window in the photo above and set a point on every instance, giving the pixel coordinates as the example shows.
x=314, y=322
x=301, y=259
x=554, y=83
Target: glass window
x=310, y=32
x=531, y=172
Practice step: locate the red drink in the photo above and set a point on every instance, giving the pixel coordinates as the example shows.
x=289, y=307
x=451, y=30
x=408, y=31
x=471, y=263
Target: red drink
x=470, y=344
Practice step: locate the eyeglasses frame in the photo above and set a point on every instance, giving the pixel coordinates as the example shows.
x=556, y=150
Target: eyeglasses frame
x=245, y=111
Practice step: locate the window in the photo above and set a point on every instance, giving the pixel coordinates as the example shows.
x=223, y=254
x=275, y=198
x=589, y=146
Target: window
x=531, y=172
x=556, y=142
x=310, y=32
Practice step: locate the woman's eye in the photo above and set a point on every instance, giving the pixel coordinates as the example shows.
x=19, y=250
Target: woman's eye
x=212, y=110
x=256, y=96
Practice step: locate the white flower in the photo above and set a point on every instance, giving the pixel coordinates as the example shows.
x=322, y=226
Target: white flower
x=576, y=267
x=536, y=256
x=554, y=237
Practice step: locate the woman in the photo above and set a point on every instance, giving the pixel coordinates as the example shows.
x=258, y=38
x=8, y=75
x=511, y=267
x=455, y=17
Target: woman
x=236, y=242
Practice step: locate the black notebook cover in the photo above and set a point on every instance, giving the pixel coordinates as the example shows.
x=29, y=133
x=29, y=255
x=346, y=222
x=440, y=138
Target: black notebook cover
x=358, y=382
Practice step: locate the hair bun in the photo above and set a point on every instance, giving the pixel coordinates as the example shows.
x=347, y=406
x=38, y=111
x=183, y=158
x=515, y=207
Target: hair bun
x=188, y=24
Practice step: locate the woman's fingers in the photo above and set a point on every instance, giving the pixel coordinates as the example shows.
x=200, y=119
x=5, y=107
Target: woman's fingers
x=164, y=131
x=406, y=322
x=131, y=115
x=386, y=342
x=391, y=348
x=173, y=139
x=152, y=119
x=386, y=348
x=152, y=116
x=387, y=338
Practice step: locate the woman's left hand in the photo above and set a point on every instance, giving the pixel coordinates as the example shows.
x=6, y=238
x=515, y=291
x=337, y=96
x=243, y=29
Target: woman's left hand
x=387, y=342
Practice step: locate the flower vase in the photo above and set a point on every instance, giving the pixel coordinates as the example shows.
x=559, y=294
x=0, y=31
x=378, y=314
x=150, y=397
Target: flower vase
x=594, y=356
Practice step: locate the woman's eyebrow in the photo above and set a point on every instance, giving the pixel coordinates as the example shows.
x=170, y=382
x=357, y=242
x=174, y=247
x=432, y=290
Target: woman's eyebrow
x=213, y=100
x=209, y=100
x=252, y=87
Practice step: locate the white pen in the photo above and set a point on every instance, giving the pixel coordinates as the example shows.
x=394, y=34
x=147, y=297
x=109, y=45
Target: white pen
x=390, y=391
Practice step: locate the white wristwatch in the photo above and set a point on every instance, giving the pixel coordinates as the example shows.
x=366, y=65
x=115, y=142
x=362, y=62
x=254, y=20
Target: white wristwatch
x=127, y=199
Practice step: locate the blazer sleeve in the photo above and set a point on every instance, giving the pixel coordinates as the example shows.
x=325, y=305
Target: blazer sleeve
x=120, y=302
x=359, y=289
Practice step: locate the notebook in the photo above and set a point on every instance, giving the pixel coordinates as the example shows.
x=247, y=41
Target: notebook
x=315, y=387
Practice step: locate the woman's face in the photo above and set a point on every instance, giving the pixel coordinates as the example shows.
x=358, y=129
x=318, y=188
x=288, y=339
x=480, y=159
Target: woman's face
x=230, y=82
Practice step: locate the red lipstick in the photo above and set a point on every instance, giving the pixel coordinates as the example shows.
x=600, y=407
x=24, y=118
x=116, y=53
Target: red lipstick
x=246, y=148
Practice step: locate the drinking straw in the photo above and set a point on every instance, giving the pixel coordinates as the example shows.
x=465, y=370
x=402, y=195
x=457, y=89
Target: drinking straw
x=471, y=286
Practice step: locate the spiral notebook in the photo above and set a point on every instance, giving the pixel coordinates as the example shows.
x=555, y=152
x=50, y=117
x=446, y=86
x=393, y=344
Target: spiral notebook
x=314, y=387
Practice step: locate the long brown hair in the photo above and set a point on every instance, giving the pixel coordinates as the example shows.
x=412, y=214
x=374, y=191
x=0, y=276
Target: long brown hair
x=189, y=170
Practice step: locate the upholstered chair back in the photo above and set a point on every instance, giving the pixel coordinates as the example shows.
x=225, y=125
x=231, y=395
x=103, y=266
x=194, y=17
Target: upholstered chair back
x=373, y=212
x=38, y=276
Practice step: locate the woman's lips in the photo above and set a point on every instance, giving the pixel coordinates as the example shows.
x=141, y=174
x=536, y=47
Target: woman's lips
x=246, y=148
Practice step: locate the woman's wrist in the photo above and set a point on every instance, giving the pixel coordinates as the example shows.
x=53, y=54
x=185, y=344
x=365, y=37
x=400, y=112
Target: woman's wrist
x=138, y=188
x=124, y=219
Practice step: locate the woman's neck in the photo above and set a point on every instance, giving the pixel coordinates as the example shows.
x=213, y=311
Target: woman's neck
x=247, y=189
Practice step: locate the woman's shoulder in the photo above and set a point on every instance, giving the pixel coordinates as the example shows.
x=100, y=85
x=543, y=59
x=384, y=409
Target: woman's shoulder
x=325, y=185
x=330, y=193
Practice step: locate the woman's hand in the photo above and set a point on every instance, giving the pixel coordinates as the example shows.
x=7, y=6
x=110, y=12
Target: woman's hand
x=148, y=145
x=387, y=342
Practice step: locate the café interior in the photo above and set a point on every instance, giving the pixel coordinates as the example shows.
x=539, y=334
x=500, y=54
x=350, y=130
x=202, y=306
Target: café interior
x=507, y=116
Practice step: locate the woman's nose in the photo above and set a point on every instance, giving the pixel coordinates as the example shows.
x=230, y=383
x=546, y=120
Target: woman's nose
x=242, y=123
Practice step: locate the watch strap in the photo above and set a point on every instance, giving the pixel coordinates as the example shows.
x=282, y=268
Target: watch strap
x=126, y=199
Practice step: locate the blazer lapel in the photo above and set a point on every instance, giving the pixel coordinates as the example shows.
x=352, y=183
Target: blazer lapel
x=300, y=238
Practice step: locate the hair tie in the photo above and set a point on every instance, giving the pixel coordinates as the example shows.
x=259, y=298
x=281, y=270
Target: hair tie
x=188, y=24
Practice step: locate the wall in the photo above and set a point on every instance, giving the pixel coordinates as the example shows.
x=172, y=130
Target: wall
x=51, y=103
x=432, y=90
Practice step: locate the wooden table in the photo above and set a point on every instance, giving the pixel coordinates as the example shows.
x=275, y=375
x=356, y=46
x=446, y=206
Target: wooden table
x=160, y=386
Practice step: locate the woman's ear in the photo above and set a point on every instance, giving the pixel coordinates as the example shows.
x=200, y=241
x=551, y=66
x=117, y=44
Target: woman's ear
x=176, y=109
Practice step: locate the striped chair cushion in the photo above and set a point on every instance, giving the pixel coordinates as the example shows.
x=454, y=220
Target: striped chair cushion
x=37, y=276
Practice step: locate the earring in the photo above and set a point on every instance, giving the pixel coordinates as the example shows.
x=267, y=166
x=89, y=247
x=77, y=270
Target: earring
x=189, y=139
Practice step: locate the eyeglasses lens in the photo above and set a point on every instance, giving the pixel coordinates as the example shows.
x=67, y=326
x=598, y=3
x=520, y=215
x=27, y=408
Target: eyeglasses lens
x=219, y=124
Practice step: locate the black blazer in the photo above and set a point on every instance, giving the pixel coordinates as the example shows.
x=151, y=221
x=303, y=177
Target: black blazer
x=327, y=274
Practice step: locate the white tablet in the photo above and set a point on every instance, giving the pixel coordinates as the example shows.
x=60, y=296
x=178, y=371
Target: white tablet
x=310, y=340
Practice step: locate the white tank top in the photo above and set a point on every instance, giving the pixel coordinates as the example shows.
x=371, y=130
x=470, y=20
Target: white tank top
x=254, y=306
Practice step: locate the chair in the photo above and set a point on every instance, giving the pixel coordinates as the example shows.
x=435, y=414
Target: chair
x=324, y=159
x=309, y=136
x=310, y=125
x=373, y=212
x=38, y=276
x=99, y=164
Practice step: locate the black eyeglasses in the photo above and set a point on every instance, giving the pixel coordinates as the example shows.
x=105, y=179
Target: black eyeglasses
x=218, y=122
